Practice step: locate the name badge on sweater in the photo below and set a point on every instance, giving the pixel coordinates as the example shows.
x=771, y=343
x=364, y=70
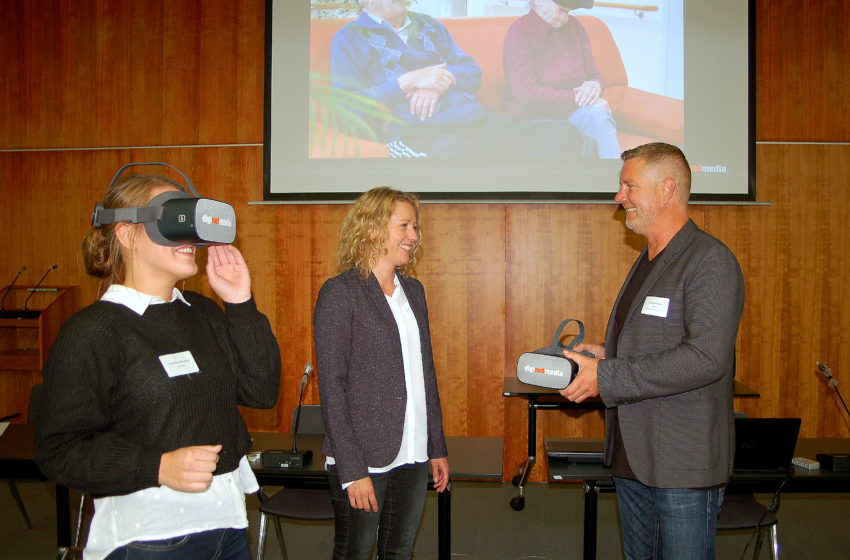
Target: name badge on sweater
x=655, y=306
x=181, y=363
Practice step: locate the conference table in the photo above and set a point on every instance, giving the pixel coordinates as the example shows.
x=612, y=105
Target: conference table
x=597, y=478
x=470, y=458
x=542, y=398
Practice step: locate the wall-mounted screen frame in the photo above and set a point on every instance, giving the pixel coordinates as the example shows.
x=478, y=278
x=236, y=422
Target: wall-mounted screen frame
x=689, y=56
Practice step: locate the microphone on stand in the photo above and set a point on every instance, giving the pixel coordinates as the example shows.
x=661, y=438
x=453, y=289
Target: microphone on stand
x=308, y=368
x=9, y=289
x=293, y=459
x=831, y=381
x=24, y=314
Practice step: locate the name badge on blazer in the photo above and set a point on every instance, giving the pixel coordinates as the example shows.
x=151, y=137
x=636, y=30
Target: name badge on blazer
x=655, y=306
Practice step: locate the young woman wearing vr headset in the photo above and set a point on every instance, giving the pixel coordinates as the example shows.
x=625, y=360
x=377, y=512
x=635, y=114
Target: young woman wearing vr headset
x=139, y=404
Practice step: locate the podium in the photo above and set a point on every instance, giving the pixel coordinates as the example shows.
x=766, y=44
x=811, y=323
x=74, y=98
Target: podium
x=25, y=339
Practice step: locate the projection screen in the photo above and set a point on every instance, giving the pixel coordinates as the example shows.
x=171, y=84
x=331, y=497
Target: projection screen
x=677, y=71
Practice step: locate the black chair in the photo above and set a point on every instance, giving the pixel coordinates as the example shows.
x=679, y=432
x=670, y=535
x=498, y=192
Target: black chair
x=75, y=550
x=13, y=487
x=741, y=512
x=306, y=504
x=744, y=512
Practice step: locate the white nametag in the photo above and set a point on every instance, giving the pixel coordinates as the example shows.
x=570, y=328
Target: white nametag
x=181, y=363
x=656, y=306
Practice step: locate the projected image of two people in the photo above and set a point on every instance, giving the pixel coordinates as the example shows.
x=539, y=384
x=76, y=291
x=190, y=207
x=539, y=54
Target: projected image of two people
x=390, y=80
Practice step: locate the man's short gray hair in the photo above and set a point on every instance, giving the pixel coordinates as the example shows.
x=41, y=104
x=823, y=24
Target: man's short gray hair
x=668, y=156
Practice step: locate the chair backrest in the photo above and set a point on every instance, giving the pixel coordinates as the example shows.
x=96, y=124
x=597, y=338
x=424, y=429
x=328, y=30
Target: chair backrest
x=311, y=421
x=35, y=401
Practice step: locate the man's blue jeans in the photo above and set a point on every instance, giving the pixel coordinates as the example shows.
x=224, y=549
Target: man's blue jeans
x=667, y=523
x=222, y=544
x=600, y=133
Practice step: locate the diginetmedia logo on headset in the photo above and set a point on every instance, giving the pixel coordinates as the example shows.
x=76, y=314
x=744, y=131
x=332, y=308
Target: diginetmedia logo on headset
x=544, y=371
x=226, y=222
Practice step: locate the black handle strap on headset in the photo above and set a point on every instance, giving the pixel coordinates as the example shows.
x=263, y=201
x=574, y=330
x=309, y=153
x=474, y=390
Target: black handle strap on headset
x=557, y=347
x=133, y=215
x=102, y=216
x=189, y=184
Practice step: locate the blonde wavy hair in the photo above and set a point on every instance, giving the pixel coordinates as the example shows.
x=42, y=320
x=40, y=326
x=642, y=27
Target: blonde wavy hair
x=102, y=254
x=364, y=234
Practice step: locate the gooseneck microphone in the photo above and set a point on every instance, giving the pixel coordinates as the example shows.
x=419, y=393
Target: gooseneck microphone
x=308, y=368
x=293, y=459
x=34, y=289
x=9, y=289
x=832, y=382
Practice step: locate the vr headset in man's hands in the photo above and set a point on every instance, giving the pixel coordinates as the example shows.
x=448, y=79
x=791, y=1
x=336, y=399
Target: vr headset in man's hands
x=174, y=218
x=547, y=366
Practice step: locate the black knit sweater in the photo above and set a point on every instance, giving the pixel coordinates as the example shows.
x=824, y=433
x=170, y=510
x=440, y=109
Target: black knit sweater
x=108, y=409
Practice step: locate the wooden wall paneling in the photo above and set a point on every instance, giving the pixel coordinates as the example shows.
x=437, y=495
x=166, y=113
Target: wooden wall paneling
x=290, y=275
x=46, y=212
x=13, y=94
x=250, y=73
x=796, y=307
x=132, y=73
x=462, y=269
x=141, y=75
x=801, y=71
x=119, y=76
x=182, y=83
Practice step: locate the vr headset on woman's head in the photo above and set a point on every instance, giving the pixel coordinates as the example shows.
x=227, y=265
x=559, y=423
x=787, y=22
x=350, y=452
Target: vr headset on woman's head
x=174, y=218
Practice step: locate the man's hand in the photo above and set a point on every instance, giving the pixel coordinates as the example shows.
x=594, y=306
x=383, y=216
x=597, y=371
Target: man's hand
x=361, y=495
x=423, y=103
x=585, y=385
x=598, y=350
x=440, y=473
x=587, y=93
x=430, y=77
x=189, y=469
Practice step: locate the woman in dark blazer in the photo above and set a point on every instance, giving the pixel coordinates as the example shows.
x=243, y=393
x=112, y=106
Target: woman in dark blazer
x=377, y=381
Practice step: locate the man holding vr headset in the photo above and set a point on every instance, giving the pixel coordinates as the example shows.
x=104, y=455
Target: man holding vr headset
x=141, y=388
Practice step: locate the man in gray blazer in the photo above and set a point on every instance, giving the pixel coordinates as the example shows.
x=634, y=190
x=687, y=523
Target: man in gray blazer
x=665, y=371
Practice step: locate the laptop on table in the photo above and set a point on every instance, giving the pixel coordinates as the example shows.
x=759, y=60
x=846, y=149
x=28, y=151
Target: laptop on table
x=765, y=444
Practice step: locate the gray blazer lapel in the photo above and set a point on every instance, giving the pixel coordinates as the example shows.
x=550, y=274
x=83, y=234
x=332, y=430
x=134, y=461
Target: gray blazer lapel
x=611, y=332
x=379, y=302
x=668, y=257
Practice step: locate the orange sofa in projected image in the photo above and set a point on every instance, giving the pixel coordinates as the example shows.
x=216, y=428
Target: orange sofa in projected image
x=641, y=116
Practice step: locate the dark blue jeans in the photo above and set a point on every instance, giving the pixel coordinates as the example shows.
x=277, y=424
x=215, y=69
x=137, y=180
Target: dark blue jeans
x=401, y=501
x=667, y=523
x=218, y=544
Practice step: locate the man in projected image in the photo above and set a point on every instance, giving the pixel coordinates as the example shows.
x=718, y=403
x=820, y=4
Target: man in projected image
x=665, y=370
x=551, y=73
x=412, y=65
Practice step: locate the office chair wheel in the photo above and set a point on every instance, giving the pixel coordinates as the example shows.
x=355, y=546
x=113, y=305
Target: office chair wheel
x=518, y=503
x=515, y=480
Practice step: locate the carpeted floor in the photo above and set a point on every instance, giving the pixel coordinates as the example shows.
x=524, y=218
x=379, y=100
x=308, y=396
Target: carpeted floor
x=484, y=527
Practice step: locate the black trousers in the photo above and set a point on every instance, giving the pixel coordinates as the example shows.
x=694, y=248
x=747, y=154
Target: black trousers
x=401, y=501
